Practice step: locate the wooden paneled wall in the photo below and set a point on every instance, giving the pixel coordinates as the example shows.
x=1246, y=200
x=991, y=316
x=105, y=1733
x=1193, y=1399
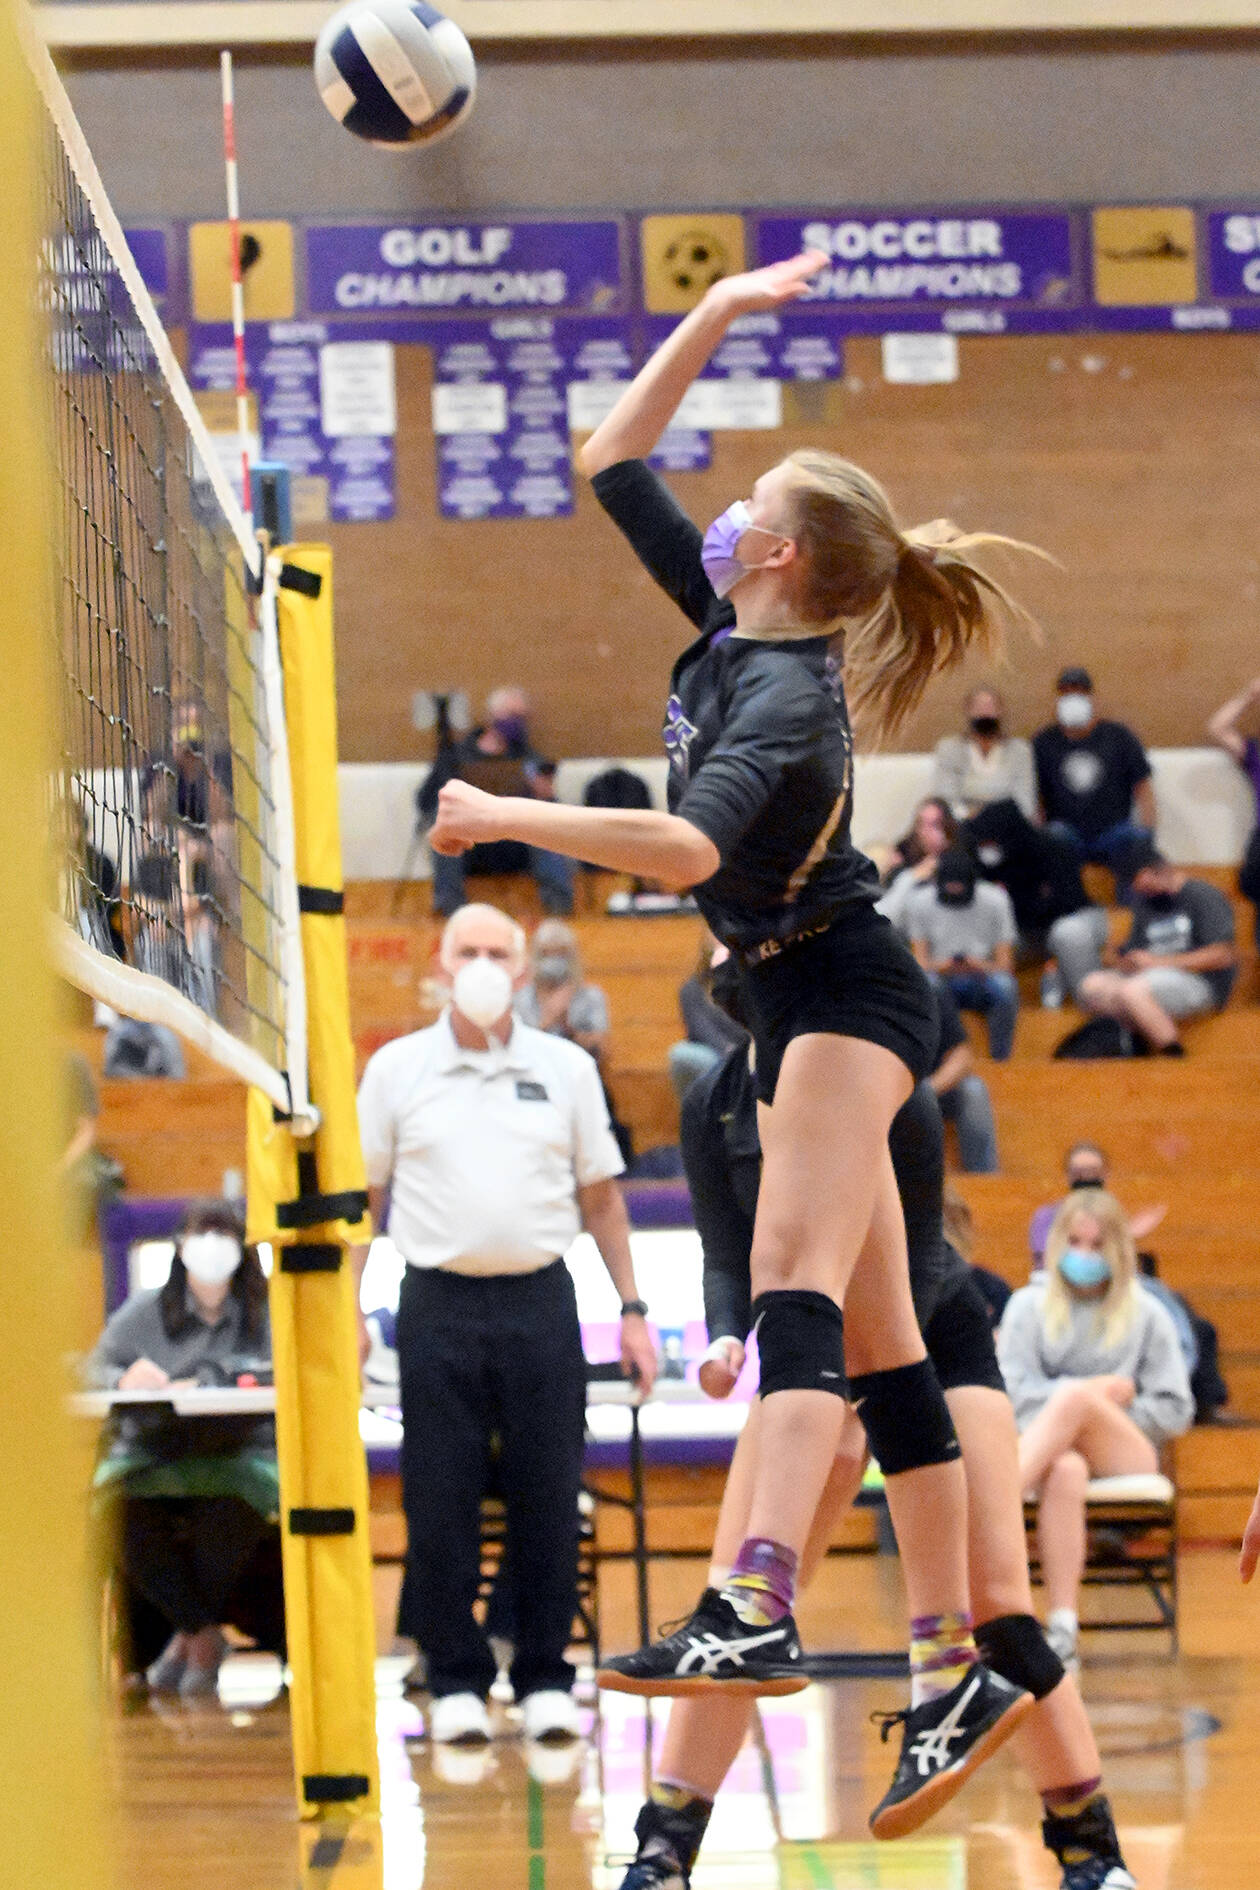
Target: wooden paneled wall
x=1130, y=458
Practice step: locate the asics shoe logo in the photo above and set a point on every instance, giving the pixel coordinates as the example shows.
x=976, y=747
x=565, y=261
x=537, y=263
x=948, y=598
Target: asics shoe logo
x=708, y=1651
x=931, y=1748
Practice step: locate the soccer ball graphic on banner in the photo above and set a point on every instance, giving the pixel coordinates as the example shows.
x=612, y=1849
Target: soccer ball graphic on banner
x=395, y=72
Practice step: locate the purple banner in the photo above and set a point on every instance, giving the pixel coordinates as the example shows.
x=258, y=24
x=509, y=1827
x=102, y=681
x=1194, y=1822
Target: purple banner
x=501, y=409
x=683, y=449
x=149, y=249
x=1233, y=250
x=1020, y=266
x=437, y=269
x=350, y=479
x=791, y=346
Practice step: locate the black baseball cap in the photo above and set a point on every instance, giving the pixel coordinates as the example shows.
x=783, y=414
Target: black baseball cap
x=1076, y=678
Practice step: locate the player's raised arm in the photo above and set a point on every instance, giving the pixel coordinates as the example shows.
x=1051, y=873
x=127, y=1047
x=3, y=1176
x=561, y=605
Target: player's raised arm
x=648, y=405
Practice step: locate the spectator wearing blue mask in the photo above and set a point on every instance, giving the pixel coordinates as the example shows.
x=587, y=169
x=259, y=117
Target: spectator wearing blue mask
x=1096, y=1374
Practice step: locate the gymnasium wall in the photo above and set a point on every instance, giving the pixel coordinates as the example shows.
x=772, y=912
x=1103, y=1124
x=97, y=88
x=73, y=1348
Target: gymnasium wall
x=1129, y=458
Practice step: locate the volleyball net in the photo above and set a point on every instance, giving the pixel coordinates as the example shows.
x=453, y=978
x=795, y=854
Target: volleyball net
x=178, y=901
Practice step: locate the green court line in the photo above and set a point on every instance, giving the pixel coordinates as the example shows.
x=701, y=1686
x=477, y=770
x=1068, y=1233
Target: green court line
x=819, y=1874
x=534, y=1813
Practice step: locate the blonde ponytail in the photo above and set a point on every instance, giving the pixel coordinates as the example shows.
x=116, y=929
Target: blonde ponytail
x=915, y=603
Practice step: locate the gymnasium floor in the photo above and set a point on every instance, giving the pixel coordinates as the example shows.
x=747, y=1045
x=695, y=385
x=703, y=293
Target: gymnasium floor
x=207, y=1805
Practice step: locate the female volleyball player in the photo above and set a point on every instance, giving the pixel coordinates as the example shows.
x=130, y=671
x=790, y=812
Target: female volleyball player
x=760, y=794
x=703, y=1736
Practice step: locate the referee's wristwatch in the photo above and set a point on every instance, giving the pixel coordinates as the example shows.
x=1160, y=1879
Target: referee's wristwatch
x=638, y=1306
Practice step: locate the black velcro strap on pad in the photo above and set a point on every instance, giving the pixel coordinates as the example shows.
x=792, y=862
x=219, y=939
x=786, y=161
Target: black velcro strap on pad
x=321, y=899
x=800, y=1342
x=321, y=1522
x=313, y=1210
x=905, y=1417
x=333, y=1788
x=314, y=1256
x=1015, y=1647
x=306, y=583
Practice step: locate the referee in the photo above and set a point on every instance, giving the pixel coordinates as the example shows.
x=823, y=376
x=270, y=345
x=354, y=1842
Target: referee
x=494, y=1143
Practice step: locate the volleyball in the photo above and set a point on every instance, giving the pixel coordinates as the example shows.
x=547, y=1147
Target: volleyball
x=395, y=72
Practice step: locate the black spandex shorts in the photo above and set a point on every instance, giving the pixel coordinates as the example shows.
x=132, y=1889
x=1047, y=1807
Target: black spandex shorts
x=856, y=979
x=959, y=1339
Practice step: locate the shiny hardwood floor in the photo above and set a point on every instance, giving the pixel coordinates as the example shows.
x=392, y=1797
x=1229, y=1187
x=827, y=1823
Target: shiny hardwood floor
x=205, y=1794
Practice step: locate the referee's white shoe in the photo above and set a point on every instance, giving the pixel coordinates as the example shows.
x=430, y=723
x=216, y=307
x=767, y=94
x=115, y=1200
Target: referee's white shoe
x=459, y=1719
x=550, y=1714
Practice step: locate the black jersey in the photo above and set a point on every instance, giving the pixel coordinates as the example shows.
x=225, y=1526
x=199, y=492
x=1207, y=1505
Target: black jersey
x=722, y=1157
x=760, y=750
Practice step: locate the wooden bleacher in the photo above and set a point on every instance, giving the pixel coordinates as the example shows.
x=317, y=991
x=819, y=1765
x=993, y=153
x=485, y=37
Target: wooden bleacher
x=1185, y=1133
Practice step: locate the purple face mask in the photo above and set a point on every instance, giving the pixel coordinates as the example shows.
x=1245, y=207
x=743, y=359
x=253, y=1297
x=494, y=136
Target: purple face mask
x=717, y=554
x=513, y=728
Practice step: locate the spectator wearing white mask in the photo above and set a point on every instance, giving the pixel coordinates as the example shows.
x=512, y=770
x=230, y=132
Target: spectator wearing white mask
x=1093, y=777
x=494, y=1141
x=198, y=1496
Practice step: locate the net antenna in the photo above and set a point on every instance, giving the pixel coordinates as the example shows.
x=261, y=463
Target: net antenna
x=232, y=181
x=171, y=799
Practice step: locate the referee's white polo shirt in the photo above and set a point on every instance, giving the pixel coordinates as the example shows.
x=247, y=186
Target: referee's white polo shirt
x=485, y=1149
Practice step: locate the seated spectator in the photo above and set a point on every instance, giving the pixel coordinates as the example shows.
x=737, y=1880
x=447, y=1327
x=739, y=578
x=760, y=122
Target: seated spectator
x=711, y=1030
x=134, y=1048
x=176, y=936
x=1179, y=960
x=915, y=857
x=1040, y=871
x=1098, y=1382
x=1093, y=778
x=1245, y=750
x=1086, y=1166
x=499, y=758
x=558, y=999
x=98, y=894
x=198, y=1496
x=961, y=1093
x=963, y=932
x=985, y=765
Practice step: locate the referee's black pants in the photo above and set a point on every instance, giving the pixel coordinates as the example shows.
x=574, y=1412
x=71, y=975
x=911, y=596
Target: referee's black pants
x=486, y=1360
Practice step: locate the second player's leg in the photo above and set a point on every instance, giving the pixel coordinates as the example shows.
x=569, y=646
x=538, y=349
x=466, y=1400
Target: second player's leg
x=1056, y=1746
x=824, y=1146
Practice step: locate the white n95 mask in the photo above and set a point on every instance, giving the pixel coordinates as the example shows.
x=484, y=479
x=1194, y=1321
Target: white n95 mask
x=212, y=1258
x=482, y=990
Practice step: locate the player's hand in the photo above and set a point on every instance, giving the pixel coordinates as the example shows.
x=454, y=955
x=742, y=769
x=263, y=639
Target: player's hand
x=770, y=287
x=638, y=1353
x=553, y=1005
x=143, y=1375
x=363, y=1337
x=465, y=816
x=1146, y=1220
x=1140, y=960
x=1251, y=1543
x=720, y=1367
x=1120, y=1390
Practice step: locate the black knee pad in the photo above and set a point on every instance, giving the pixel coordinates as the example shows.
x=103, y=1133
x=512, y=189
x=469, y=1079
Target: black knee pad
x=1014, y=1646
x=905, y=1417
x=800, y=1342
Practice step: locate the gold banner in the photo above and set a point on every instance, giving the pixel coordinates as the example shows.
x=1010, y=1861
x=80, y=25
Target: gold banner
x=1145, y=258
